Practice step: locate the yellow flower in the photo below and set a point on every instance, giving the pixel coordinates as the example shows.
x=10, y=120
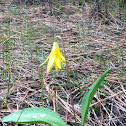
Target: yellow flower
x=55, y=57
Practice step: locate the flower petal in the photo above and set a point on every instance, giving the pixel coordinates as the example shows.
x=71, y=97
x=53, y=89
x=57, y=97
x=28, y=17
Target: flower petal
x=44, y=61
x=62, y=57
x=58, y=62
x=51, y=61
x=56, y=67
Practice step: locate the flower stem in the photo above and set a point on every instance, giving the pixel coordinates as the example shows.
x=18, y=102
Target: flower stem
x=69, y=83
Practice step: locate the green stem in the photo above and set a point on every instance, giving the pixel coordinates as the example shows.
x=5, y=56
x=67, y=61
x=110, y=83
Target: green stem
x=68, y=80
x=56, y=38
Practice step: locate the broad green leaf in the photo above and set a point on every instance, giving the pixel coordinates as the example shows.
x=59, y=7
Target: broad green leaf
x=89, y=96
x=35, y=115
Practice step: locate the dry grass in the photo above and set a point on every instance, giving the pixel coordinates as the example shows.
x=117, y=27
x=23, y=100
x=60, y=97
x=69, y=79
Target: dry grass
x=92, y=46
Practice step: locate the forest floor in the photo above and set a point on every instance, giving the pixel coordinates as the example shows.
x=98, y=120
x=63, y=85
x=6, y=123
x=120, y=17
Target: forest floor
x=93, y=44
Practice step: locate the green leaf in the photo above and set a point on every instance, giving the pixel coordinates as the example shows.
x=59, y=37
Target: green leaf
x=35, y=115
x=89, y=96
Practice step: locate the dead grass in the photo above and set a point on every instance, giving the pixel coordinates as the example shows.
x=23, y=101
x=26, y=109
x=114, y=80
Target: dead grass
x=92, y=46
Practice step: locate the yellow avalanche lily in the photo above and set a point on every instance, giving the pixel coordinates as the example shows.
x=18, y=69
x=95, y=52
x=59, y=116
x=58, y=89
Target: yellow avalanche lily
x=55, y=57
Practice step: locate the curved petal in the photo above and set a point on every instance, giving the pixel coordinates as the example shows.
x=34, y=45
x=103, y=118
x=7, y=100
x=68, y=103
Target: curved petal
x=51, y=61
x=56, y=67
x=57, y=62
x=58, y=59
x=44, y=61
x=62, y=57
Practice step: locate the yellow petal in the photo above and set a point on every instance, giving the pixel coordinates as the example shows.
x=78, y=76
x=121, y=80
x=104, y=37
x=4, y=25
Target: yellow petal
x=62, y=57
x=56, y=67
x=51, y=61
x=44, y=61
x=55, y=46
x=60, y=54
x=57, y=62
